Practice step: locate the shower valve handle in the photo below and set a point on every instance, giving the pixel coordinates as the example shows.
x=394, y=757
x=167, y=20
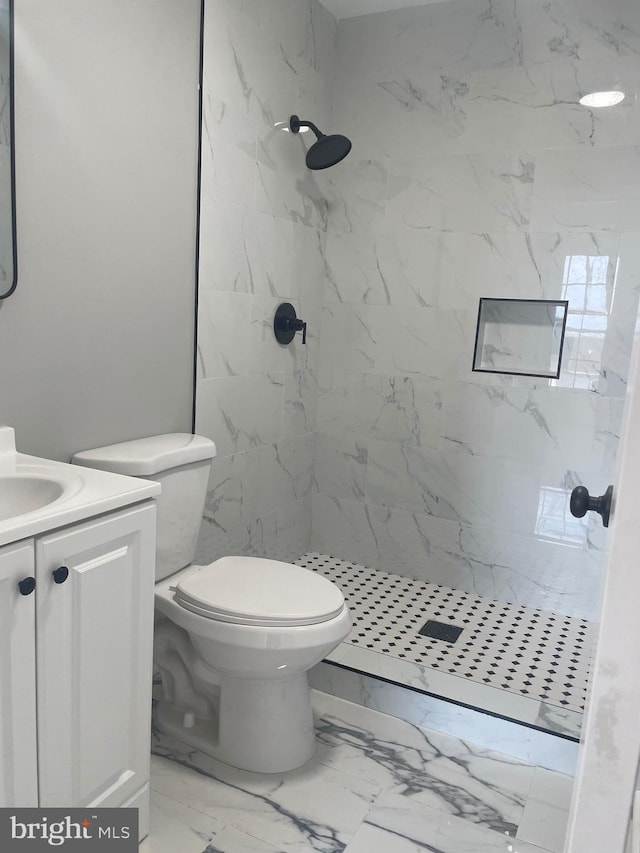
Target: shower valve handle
x=581, y=503
x=286, y=323
x=300, y=326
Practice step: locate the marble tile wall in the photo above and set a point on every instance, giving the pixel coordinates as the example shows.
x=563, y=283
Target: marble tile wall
x=474, y=172
x=262, y=240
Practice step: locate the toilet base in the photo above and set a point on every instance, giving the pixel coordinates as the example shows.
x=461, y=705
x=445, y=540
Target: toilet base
x=264, y=724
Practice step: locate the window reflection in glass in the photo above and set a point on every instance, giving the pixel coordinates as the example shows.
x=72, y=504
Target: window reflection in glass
x=555, y=522
x=588, y=284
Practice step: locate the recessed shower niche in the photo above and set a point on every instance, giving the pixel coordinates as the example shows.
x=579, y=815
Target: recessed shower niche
x=520, y=336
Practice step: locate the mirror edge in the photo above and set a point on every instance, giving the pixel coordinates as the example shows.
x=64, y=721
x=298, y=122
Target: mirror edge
x=13, y=152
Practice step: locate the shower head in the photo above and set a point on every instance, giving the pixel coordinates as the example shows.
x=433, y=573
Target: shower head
x=327, y=150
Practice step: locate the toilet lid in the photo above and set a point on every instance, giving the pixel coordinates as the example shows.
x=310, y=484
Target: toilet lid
x=254, y=591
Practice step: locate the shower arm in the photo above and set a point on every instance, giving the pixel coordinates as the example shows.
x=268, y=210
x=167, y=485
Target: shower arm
x=296, y=123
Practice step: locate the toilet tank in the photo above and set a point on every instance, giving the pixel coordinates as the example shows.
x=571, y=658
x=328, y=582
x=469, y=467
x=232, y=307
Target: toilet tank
x=180, y=462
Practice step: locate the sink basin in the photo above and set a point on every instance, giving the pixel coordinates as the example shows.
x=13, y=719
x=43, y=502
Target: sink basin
x=24, y=493
x=40, y=495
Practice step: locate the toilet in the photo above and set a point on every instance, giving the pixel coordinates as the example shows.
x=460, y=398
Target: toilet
x=233, y=639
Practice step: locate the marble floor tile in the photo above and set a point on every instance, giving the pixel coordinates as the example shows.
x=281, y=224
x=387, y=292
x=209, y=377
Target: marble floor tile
x=377, y=783
x=314, y=808
x=433, y=769
x=397, y=825
x=429, y=712
x=175, y=826
x=544, y=821
x=231, y=840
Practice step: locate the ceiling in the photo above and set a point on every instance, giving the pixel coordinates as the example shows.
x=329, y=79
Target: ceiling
x=352, y=8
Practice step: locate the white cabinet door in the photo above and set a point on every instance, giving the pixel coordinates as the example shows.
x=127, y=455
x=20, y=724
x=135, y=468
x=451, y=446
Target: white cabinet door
x=18, y=744
x=94, y=653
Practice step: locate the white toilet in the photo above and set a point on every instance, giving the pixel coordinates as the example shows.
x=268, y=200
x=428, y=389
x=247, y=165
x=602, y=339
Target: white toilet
x=235, y=638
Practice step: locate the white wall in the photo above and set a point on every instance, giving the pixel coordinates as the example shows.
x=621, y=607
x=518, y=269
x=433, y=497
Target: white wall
x=96, y=345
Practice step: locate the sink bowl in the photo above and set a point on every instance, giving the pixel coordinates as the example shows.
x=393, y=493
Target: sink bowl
x=24, y=493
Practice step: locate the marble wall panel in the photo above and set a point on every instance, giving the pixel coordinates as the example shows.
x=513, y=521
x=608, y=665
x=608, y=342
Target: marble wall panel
x=226, y=411
x=340, y=466
x=231, y=493
x=475, y=172
x=228, y=156
x=262, y=238
x=221, y=351
x=245, y=64
x=347, y=343
x=356, y=192
x=476, y=558
x=300, y=402
x=307, y=29
x=401, y=268
x=284, y=473
x=530, y=265
x=452, y=486
x=591, y=31
x=346, y=527
x=284, y=186
x=587, y=189
x=485, y=191
x=226, y=225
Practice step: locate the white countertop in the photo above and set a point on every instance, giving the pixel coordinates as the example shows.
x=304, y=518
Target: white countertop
x=86, y=492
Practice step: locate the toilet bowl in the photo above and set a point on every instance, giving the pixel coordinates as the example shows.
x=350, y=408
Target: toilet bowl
x=233, y=639
x=249, y=660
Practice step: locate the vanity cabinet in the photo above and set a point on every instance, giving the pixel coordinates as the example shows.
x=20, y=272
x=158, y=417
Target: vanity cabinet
x=18, y=756
x=75, y=663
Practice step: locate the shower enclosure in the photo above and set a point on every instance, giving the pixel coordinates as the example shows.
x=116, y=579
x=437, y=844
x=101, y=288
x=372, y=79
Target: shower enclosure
x=431, y=492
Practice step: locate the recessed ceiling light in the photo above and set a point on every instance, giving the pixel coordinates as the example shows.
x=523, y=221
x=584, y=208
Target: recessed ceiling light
x=602, y=99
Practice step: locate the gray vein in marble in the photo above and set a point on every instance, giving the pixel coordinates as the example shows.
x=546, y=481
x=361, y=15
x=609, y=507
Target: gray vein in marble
x=423, y=845
x=409, y=767
x=531, y=409
x=201, y=361
x=371, y=523
x=559, y=720
x=320, y=836
x=462, y=445
x=533, y=260
x=429, y=499
x=385, y=286
x=407, y=94
x=524, y=176
x=246, y=89
x=331, y=279
x=286, y=60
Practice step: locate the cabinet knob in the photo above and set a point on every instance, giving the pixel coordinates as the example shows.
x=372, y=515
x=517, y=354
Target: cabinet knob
x=60, y=574
x=27, y=586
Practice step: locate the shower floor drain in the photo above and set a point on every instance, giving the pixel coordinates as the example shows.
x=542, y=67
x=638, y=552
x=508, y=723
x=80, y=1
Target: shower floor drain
x=440, y=631
x=530, y=652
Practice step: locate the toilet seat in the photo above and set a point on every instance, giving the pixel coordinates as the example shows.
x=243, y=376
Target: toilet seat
x=260, y=592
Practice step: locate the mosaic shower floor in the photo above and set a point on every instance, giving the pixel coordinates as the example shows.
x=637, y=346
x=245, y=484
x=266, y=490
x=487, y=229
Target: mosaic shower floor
x=519, y=650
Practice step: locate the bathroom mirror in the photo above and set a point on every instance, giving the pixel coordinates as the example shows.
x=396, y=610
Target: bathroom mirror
x=8, y=266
